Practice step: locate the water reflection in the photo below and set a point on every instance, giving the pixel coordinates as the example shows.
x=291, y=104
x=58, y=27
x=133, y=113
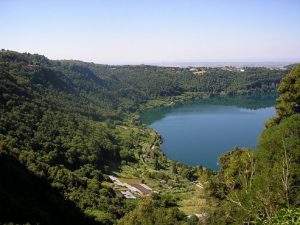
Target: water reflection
x=199, y=132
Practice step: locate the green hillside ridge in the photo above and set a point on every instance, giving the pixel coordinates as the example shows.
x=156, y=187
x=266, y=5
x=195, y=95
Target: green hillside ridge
x=73, y=123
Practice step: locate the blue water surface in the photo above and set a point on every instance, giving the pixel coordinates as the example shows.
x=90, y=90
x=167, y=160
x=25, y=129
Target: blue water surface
x=198, y=134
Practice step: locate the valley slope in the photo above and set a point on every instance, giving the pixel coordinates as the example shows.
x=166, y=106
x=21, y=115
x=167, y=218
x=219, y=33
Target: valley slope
x=72, y=123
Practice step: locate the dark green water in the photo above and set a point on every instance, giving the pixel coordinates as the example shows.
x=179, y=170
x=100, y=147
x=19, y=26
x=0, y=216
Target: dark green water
x=198, y=133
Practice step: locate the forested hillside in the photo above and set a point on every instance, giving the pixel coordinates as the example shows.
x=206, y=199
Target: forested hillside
x=102, y=91
x=70, y=124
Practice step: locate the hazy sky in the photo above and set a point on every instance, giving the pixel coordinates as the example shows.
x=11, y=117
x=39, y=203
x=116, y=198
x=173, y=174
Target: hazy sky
x=127, y=31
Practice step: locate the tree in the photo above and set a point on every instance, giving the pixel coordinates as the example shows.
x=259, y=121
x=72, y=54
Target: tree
x=288, y=101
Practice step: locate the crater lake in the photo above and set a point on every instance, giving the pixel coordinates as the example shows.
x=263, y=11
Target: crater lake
x=199, y=132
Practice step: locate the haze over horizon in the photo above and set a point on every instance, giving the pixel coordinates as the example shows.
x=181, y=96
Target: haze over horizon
x=153, y=32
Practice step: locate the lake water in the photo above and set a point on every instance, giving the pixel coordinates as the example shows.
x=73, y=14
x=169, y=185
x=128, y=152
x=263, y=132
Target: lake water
x=199, y=132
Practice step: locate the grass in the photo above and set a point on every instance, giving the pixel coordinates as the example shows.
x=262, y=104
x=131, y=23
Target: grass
x=193, y=202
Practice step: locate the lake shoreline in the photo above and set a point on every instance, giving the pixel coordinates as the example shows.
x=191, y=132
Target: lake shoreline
x=261, y=107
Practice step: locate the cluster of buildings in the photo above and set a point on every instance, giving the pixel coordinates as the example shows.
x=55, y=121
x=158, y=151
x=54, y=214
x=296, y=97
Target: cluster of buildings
x=133, y=190
x=203, y=70
x=198, y=71
x=233, y=68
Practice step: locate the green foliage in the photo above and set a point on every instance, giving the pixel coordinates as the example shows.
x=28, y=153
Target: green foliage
x=279, y=156
x=287, y=217
x=157, y=211
x=289, y=89
x=26, y=197
x=237, y=167
x=288, y=102
x=67, y=122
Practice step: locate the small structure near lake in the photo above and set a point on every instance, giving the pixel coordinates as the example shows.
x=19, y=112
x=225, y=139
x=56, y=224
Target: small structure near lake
x=130, y=189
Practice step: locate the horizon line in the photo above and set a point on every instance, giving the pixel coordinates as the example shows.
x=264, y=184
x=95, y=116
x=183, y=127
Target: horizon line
x=283, y=61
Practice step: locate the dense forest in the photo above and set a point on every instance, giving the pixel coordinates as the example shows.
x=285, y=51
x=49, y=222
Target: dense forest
x=66, y=125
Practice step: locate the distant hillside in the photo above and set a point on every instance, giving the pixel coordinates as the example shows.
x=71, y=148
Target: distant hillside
x=111, y=88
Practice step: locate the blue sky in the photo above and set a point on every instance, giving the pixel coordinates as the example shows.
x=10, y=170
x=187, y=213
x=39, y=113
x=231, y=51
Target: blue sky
x=127, y=31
